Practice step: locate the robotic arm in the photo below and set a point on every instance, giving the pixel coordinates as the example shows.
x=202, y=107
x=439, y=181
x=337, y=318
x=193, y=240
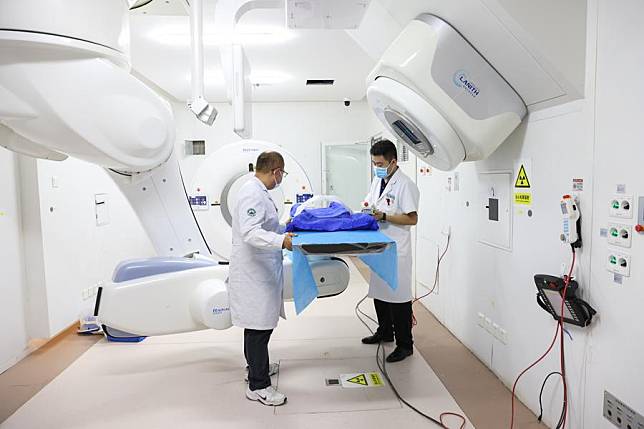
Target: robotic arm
x=66, y=90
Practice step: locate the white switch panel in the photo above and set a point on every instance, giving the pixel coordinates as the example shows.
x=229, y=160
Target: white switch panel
x=621, y=206
x=620, y=234
x=618, y=263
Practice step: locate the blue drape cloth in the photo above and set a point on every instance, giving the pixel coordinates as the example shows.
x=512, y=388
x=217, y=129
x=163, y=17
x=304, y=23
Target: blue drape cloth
x=336, y=217
x=384, y=264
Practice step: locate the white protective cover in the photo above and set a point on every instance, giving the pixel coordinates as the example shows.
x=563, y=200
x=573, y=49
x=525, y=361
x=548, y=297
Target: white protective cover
x=168, y=303
x=195, y=299
x=455, y=103
x=318, y=202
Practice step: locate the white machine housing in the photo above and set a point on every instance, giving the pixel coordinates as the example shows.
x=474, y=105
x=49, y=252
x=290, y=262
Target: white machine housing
x=435, y=92
x=214, y=187
x=66, y=90
x=192, y=298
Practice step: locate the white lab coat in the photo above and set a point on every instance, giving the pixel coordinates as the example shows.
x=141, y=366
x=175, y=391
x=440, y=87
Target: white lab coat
x=256, y=277
x=401, y=196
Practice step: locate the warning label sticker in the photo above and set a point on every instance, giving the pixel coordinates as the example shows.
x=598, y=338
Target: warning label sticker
x=523, y=198
x=577, y=184
x=363, y=379
x=522, y=179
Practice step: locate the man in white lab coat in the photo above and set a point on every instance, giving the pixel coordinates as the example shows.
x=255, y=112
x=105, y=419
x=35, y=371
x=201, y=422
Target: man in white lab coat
x=394, y=198
x=256, y=273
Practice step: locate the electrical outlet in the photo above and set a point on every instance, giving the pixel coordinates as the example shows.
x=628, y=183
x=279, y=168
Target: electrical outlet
x=488, y=325
x=621, y=206
x=620, y=414
x=503, y=336
x=620, y=234
x=618, y=263
x=495, y=330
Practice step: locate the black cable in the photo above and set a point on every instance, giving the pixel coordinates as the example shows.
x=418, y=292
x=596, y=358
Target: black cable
x=118, y=172
x=141, y=5
x=437, y=274
x=541, y=393
x=383, y=368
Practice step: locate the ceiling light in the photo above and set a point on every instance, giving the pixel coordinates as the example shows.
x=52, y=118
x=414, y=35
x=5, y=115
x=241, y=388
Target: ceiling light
x=179, y=35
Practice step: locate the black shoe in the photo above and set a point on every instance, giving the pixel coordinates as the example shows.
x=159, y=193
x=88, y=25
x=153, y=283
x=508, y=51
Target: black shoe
x=399, y=354
x=377, y=338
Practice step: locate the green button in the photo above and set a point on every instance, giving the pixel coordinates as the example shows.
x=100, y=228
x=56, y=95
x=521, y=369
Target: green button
x=613, y=260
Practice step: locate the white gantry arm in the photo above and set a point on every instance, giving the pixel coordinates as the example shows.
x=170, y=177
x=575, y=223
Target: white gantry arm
x=66, y=89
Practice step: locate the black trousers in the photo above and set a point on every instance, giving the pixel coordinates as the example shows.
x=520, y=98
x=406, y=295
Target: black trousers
x=256, y=353
x=394, y=319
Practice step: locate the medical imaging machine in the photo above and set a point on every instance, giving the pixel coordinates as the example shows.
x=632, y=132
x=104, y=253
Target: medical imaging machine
x=66, y=90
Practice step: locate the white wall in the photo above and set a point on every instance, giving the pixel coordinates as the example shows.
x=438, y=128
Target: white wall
x=615, y=360
x=77, y=253
x=597, y=139
x=13, y=335
x=298, y=127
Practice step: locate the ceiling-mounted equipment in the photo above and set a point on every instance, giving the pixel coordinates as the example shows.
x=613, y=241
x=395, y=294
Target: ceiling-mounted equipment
x=326, y=14
x=436, y=93
x=197, y=104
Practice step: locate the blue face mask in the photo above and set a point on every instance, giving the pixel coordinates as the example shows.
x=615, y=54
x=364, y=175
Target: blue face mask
x=381, y=172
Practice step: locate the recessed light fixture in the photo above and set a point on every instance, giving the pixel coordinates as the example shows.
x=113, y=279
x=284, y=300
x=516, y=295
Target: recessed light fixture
x=319, y=82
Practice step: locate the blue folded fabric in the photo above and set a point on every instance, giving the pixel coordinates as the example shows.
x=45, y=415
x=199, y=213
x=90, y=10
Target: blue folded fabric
x=336, y=217
x=384, y=264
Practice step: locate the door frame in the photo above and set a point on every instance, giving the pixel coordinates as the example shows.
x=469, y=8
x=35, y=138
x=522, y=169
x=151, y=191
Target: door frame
x=324, y=171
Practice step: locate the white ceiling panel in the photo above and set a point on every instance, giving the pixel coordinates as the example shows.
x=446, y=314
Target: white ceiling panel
x=281, y=60
x=539, y=50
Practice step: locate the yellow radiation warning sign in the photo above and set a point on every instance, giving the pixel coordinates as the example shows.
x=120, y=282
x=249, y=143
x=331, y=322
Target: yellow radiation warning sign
x=522, y=179
x=363, y=379
x=359, y=379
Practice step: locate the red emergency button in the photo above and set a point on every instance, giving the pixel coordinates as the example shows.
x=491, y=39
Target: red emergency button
x=639, y=228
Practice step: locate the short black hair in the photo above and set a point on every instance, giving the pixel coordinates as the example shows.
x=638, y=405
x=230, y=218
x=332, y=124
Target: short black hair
x=384, y=148
x=268, y=161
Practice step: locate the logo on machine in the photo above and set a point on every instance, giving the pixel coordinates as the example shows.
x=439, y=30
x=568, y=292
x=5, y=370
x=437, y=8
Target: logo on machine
x=220, y=310
x=250, y=149
x=462, y=81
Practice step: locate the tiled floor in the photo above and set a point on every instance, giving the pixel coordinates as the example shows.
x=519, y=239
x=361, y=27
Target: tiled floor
x=196, y=380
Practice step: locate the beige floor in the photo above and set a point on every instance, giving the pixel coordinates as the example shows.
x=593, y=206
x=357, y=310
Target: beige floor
x=196, y=380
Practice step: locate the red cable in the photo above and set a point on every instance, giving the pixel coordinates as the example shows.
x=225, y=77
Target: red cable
x=414, y=322
x=554, y=340
x=439, y=257
x=561, y=323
